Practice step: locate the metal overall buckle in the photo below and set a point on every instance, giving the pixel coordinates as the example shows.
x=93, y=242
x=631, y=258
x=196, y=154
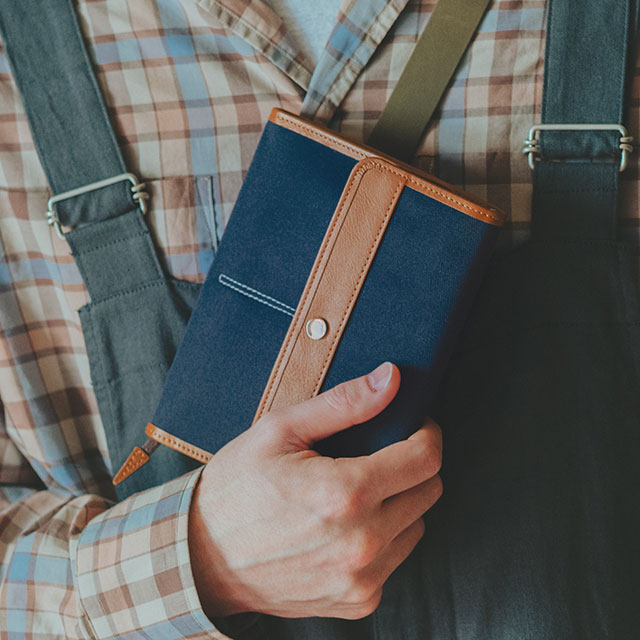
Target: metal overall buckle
x=137, y=187
x=531, y=147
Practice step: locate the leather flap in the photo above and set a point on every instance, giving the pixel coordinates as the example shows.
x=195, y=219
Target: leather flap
x=339, y=271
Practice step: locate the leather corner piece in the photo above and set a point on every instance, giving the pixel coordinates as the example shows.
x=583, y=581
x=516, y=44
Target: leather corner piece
x=320, y=134
x=347, y=250
x=169, y=440
x=136, y=459
x=273, y=116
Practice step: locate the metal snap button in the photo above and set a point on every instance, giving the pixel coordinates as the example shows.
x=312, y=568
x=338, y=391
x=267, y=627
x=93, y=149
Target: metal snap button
x=317, y=328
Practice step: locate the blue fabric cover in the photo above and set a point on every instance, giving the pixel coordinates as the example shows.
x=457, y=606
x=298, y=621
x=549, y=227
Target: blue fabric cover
x=411, y=306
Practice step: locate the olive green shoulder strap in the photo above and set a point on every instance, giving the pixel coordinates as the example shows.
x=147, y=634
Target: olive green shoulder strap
x=426, y=76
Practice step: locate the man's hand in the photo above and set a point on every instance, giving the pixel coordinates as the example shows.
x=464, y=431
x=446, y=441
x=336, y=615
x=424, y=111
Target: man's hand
x=276, y=528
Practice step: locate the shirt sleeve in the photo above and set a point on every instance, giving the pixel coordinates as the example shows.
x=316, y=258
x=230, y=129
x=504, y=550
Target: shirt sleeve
x=78, y=567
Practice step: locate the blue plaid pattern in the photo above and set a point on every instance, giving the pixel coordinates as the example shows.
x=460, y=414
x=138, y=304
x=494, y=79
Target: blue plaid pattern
x=189, y=86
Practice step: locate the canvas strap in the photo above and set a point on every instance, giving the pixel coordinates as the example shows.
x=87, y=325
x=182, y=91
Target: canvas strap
x=104, y=223
x=77, y=145
x=576, y=172
x=68, y=119
x=424, y=79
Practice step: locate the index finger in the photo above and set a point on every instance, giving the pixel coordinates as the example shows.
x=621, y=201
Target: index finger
x=405, y=464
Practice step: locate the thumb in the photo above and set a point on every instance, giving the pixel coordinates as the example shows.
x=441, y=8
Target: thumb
x=340, y=407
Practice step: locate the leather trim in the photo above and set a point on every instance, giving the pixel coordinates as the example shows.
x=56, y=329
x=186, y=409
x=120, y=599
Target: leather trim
x=339, y=271
x=419, y=180
x=165, y=438
x=136, y=459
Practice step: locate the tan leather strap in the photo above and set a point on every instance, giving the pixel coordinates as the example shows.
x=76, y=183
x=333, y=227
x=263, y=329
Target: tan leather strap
x=136, y=459
x=331, y=291
x=165, y=438
x=155, y=436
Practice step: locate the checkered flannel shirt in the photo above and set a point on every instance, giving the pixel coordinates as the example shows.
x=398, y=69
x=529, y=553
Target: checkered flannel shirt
x=189, y=85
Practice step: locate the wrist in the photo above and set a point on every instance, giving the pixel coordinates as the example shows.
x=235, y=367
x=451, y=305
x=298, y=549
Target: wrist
x=208, y=565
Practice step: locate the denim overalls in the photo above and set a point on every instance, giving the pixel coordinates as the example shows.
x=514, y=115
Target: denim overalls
x=536, y=536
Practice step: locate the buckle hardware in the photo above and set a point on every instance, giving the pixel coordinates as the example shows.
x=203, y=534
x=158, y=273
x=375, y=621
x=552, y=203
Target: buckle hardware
x=531, y=146
x=137, y=187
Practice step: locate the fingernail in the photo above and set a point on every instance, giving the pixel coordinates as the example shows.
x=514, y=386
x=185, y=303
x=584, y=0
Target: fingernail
x=379, y=378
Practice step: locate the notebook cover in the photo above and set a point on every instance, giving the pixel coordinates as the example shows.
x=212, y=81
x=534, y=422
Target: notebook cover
x=414, y=292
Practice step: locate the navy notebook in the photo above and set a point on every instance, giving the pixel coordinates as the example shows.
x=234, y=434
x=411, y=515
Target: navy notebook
x=335, y=259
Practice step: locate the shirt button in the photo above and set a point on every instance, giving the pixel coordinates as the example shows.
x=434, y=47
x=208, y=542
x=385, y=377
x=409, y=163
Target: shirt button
x=316, y=328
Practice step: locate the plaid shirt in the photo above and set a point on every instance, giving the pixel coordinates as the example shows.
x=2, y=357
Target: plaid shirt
x=189, y=85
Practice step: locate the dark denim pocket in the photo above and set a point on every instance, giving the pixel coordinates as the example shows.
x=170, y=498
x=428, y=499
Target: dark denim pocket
x=131, y=339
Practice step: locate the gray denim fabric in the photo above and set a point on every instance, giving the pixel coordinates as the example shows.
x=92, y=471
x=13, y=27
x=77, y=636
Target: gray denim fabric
x=536, y=534
x=586, y=69
x=67, y=116
x=535, y=537
x=137, y=313
x=132, y=328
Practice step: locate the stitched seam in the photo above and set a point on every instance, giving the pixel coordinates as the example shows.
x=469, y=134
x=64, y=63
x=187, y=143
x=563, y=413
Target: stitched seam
x=358, y=286
x=361, y=154
x=322, y=136
x=295, y=325
x=187, y=284
x=148, y=285
x=260, y=300
x=259, y=293
x=270, y=43
x=260, y=297
x=117, y=379
x=133, y=463
x=560, y=191
x=112, y=242
x=605, y=157
x=109, y=394
x=194, y=452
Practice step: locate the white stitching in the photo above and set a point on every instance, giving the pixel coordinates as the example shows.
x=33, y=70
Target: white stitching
x=264, y=295
x=259, y=297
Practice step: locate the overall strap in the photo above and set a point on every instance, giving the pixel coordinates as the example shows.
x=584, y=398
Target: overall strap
x=581, y=147
x=77, y=147
x=425, y=77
